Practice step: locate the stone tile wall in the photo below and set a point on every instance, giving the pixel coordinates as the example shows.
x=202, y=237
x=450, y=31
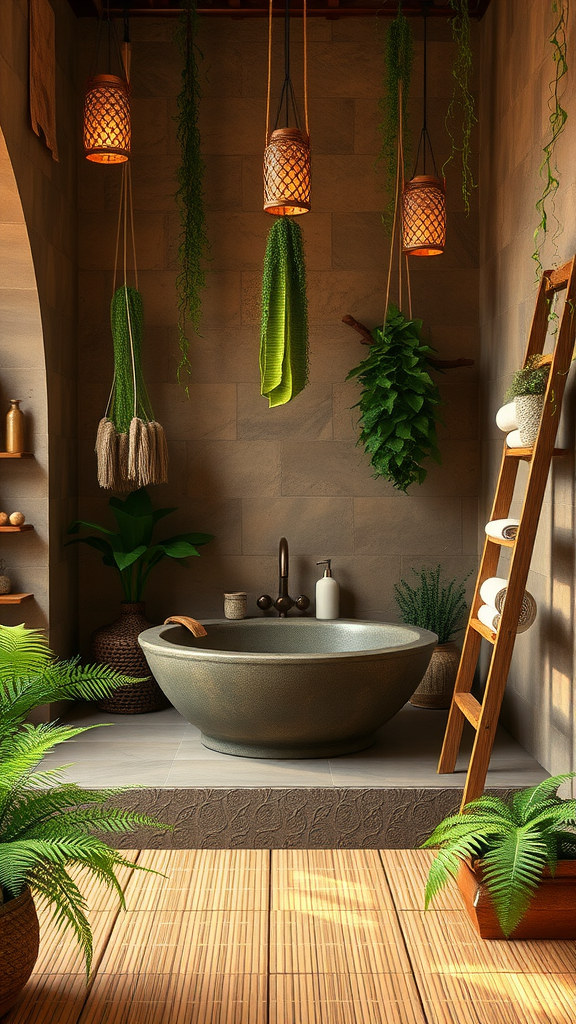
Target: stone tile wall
x=239, y=470
x=516, y=70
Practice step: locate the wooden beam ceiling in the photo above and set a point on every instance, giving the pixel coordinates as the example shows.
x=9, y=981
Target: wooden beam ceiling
x=259, y=8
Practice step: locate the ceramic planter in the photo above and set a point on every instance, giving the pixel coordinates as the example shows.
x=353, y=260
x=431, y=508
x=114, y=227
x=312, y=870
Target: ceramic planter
x=19, y=938
x=551, y=914
x=528, y=414
x=117, y=645
x=437, y=686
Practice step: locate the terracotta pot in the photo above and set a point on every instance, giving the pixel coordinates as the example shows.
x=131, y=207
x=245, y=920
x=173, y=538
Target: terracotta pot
x=117, y=645
x=528, y=414
x=551, y=914
x=19, y=938
x=437, y=686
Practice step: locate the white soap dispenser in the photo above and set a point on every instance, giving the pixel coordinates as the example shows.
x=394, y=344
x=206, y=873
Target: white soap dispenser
x=327, y=594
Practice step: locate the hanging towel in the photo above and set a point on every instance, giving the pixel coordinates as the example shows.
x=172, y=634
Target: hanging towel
x=506, y=417
x=513, y=440
x=43, y=72
x=502, y=529
x=491, y=618
x=493, y=593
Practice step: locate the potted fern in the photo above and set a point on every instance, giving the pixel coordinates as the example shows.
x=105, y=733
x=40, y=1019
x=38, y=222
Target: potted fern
x=47, y=826
x=514, y=863
x=527, y=391
x=438, y=605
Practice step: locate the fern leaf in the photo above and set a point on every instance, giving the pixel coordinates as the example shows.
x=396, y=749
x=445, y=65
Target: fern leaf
x=512, y=871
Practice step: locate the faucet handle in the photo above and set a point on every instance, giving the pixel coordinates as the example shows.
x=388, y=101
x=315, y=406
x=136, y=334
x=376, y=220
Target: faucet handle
x=302, y=603
x=264, y=602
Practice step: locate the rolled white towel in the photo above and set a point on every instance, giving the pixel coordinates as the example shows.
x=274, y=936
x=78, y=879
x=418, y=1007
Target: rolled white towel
x=491, y=618
x=513, y=440
x=493, y=593
x=502, y=529
x=506, y=417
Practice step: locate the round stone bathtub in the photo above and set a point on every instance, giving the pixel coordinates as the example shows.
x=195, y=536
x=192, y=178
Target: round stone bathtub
x=289, y=688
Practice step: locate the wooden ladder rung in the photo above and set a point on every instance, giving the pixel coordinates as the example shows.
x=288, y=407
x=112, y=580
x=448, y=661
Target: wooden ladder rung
x=488, y=634
x=502, y=541
x=469, y=707
x=526, y=453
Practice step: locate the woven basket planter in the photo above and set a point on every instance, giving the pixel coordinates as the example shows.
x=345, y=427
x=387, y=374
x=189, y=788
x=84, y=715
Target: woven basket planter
x=117, y=645
x=552, y=910
x=19, y=939
x=528, y=414
x=437, y=686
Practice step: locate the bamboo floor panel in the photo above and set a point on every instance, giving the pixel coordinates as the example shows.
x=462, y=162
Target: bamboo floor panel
x=406, y=873
x=366, y=942
x=499, y=999
x=328, y=880
x=344, y=999
x=201, y=880
x=158, y=999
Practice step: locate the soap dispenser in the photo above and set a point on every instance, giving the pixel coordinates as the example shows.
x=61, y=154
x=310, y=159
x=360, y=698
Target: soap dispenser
x=327, y=594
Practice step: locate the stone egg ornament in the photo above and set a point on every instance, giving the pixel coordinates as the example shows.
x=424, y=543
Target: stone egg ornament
x=17, y=519
x=4, y=519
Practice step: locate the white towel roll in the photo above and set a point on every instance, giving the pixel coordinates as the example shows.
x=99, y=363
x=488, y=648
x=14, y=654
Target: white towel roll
x=513, y=440
x=491, y=618
x=506, y=417
x=503, y=529
x=493, y=593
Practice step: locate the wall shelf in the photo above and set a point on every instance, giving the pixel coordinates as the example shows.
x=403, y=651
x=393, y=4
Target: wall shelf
x=16, y=455
x=16, y=529
x=14, y=598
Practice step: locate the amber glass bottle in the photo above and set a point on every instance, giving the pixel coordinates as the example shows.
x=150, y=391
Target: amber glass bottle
x=15, y=427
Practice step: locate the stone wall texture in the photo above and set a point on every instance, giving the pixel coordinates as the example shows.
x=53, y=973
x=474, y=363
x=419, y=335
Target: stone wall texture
x=516, y=70
x=243, y=472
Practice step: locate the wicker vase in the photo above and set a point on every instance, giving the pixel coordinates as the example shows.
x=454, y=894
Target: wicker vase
x=117, y=645
x=19, y=938
x=528, y=414
x=437, y=686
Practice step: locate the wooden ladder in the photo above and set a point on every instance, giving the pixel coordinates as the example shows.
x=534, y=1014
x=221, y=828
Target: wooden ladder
x=484, y=716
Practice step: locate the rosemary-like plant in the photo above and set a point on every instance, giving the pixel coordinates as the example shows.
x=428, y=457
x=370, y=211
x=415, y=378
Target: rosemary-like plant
x=190, y=195
x=284, y=326
x=513, y=841
x=398, y=59
x=531, y=379
x=462, y=98
x=433, y=604
x=127, y=323
x=48, y=826
x=558, y=116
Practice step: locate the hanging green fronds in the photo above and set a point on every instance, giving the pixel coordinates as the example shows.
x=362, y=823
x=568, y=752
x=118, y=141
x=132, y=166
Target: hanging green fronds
x=127, y=323
x=462, y=99
x=557, y=120
x=398, y=59
x=284, y=327
x=190, y=195
x=397, y=403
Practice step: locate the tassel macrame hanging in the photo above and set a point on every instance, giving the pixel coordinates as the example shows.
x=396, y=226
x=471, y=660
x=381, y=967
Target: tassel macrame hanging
x=130, y=444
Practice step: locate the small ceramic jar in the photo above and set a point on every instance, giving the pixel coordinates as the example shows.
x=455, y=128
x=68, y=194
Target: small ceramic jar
x=235, y=605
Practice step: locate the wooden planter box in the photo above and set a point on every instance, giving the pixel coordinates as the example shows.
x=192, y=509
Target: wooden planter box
x=551, y=914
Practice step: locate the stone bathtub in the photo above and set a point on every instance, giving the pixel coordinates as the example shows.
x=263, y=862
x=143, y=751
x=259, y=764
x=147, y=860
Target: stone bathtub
x=288, y=688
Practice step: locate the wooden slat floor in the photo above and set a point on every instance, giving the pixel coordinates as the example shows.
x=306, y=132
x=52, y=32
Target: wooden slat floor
x=292, y=937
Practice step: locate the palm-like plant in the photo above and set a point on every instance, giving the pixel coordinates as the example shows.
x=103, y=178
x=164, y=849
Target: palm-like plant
x=513, y=842
x=47, y=826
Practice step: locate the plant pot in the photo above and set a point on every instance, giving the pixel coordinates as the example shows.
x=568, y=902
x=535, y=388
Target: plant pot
x=437, y=686
x=19, y=939
x=551, y=914
x=117, y=645
x=528, y=414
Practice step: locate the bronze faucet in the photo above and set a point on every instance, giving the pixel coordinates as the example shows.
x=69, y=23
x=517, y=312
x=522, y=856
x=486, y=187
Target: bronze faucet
x=283, y=602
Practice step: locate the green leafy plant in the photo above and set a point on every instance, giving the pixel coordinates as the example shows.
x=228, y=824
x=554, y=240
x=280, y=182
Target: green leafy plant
x=512, y=841
x=531, y=379
x=557, y=120
x=131, y=549
x=434, y=603
x=193, y=248
x=398, y=402
x=284, y=325
x=48, y=826
x=398, y=60
x=462, y=98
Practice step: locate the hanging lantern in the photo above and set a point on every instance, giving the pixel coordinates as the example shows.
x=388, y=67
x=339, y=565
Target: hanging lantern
x=423, y=216
x=107, y=120
x=287, y=173
x=287, y=153
x=424, y=196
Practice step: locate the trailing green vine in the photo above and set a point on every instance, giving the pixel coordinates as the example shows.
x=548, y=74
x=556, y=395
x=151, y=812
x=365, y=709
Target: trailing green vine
x=462, y=98
x=557, y=120
x=284, y=326
x=398, y=60
x=190, y=195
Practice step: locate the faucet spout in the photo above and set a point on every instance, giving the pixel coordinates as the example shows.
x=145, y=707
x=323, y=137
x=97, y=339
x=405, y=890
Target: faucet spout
x=283, y=558
x=283, y=602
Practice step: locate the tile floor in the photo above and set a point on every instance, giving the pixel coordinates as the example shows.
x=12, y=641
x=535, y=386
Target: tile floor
x=163, y=750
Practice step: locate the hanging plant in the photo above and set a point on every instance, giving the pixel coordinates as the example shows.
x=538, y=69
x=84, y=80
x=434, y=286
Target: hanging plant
x=462, y=98
x=398, y=60
x=557, y=120
x=190, y=195
x=398, y=402
x=284, y=326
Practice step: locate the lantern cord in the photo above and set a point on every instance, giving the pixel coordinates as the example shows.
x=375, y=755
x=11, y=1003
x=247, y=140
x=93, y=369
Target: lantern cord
x=424, y=139
x=305, y=55
x=269, y=70
x=113, y=45
x=395, y=215
x=397, y=221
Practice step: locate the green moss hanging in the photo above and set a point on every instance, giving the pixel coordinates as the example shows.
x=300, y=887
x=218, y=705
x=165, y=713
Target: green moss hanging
x=284, y=327
x=398, y=60
x=190, y=195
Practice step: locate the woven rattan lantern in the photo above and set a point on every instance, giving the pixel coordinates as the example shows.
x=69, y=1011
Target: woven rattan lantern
x=423, y=216
x=107, y=120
